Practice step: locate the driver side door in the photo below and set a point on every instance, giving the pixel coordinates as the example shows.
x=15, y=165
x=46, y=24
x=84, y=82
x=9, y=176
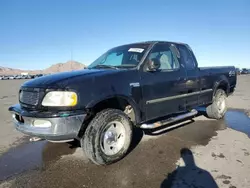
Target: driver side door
x=162, y=89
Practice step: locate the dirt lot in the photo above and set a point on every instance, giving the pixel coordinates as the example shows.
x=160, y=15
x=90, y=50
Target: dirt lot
x=197, y=153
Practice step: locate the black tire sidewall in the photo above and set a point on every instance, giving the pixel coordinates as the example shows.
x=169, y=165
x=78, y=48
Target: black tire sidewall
x=93, y=135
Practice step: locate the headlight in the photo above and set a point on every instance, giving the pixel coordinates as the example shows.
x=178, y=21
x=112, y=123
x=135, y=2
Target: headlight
x=60, y=98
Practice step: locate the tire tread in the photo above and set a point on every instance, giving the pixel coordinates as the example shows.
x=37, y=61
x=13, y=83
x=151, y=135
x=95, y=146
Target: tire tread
x=90, y=140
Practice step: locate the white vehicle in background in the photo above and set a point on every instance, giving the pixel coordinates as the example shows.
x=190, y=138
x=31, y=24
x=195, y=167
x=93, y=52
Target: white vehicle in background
x=11, y=77
x=4, y=78
x=1, y=77
x=18, y=77
x=25, y=76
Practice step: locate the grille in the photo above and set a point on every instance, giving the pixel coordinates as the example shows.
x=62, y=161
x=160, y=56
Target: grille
x=29, y=97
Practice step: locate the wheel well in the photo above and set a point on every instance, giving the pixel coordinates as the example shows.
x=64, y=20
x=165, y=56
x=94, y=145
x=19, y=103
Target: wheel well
x=223, y=86
x=116, y=103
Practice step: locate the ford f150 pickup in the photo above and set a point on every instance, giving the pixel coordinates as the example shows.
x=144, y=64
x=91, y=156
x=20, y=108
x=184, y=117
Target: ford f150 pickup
x=146, y=85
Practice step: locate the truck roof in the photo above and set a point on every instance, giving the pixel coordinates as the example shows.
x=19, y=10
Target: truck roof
x=151, y=42
x=155, y=41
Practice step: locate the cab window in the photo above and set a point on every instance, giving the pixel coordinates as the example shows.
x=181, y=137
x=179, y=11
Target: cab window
x=187, y=58
x=165, y=56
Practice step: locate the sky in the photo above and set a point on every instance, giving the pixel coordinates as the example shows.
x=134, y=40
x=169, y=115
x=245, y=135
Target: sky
x=37, y=34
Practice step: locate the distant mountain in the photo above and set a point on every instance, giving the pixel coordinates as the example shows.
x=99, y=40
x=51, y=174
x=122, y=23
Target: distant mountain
x=59, y=67
x=62, y=67
x=6, y=70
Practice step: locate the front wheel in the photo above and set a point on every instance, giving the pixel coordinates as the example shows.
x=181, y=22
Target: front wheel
x=218, y=108
x=107, y=137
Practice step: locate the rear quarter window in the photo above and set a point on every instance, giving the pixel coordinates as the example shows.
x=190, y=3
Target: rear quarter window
x=187, y=58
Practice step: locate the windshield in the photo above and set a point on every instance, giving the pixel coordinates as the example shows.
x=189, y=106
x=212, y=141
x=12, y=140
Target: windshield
x=127, y=56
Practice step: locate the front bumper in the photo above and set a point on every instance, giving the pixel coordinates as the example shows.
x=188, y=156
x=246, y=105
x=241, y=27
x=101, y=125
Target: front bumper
x=63, y=126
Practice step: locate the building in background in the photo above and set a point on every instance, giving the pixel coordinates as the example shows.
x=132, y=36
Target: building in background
x=24, y=73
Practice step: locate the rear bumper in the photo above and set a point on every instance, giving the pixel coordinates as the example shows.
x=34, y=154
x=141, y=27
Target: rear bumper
x=54, y=128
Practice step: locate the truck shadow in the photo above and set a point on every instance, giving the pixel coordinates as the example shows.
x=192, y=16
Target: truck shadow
x=172, y=126
x=139, y=133
x=189, y=175
x=136, y=139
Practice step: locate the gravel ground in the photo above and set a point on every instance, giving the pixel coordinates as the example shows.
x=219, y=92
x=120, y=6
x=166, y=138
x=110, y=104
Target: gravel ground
x=198, y=153
x=241, y=97
x=226, y=156
x=8, y=96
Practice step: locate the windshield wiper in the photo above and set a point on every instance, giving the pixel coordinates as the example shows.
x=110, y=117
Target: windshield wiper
x=126, y=66
x=105, y=66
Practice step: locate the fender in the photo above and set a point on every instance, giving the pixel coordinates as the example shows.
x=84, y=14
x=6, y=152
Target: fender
x=130, y=100
x=222, y=80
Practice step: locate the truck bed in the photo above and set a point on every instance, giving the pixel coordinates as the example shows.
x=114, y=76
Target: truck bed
x=223, y=72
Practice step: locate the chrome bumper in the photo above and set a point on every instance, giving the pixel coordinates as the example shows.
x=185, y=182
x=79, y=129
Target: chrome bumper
x=53, y=129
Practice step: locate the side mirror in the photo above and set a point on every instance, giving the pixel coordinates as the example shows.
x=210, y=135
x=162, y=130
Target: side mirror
x=153, y=65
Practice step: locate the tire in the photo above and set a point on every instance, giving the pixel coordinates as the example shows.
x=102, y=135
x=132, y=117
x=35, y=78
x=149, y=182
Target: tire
x=218, y=108
x=107, y=137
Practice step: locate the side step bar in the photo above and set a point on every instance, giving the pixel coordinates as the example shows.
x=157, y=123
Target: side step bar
x=170, y=120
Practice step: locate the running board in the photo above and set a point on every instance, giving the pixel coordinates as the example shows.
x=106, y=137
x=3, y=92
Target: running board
x=169, y=120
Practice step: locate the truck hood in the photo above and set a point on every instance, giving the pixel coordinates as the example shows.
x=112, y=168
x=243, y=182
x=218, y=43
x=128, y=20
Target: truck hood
x=55, y=80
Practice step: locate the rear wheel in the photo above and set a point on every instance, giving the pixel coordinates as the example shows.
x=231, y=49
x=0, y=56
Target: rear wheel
x=107, y=137
x=218, y=108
